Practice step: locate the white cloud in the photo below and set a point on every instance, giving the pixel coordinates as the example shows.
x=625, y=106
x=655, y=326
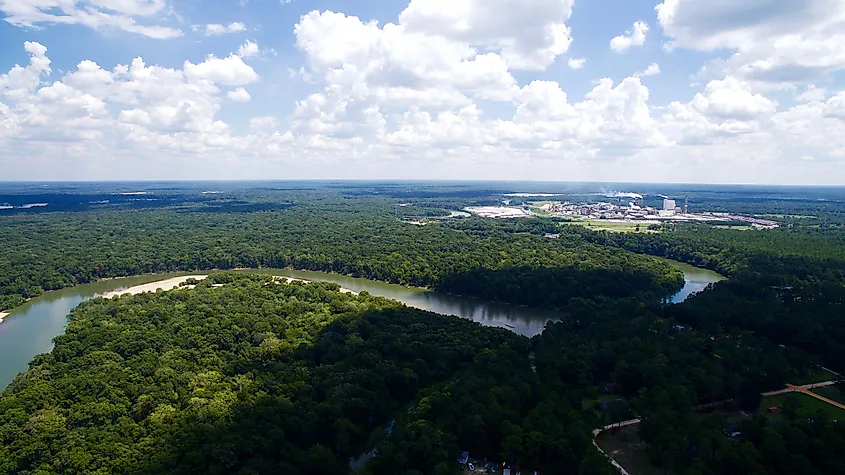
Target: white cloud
x=812, y=94
x=574, y=63
x=248, y=49
x=238, y=95
x=264, y=122
x=97, y=14
x=215, y=29
x=527, y=34
x=433, y=95
x=767, y=41
x=20, y=80
x=611, y=120
x=653, y=69
x=153, y=106
x=633, y=37
x=732, y=98
x=392, y=65
x=302, y=74
x=835, y=106
x=229, y=71
x=728, y=110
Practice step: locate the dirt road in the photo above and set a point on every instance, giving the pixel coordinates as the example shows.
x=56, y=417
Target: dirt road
x=790, y=388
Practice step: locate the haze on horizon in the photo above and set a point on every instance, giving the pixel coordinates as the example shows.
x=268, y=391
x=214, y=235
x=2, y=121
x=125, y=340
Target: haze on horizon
x=657, y=91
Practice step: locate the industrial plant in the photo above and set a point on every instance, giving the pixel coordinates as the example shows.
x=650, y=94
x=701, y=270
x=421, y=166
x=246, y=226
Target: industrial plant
x=620, y=207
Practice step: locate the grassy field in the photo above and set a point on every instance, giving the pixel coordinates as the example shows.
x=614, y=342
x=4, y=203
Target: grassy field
x=625, y=446
x=735, y=228
x=616, y=227
x=830, y=392
x=809, y=406
x=818, y=376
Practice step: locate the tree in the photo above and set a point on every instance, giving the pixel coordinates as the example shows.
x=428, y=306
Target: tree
x=790, y=407
x=749, y=396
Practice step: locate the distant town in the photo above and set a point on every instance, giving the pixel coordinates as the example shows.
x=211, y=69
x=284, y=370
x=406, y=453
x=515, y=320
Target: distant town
x=624, y=207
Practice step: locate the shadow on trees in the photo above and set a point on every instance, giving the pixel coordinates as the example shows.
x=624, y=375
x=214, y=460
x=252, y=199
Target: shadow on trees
x=319, y=405
x=555, y=287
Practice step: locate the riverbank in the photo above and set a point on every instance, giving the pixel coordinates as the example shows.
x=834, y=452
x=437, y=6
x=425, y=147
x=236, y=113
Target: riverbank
x=290, y=280
x=31, y=328
x=177, y=282
x=2, y=316
x=269, y=270
x=167, y=284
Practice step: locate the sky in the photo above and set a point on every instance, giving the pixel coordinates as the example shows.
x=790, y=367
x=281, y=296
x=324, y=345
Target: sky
x=689, y=91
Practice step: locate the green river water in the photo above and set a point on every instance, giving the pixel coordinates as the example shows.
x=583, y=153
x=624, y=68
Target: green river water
x=29, y=329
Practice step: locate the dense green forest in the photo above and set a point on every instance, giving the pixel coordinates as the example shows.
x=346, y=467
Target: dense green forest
x=51, y=251
x=254, y=377
x=250, y=377
x=787, y=284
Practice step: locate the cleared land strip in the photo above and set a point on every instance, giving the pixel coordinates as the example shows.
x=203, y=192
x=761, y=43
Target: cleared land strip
x=790, y=388
x=601, y=451
x=807, y=391
x=172, y=283
x=167, y=284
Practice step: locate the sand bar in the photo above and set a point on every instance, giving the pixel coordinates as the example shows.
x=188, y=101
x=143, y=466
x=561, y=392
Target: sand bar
x=167, y=284
x=289, y=280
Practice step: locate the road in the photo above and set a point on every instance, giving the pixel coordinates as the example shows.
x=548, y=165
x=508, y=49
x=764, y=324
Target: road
x=790, y=388
x=807, y=389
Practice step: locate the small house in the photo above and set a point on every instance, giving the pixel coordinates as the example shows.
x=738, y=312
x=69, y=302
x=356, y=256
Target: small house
x=731, y=430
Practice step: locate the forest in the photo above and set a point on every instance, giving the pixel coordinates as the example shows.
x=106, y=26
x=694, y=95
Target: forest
x=250, y=377
x=258, y=377
x=52, y=251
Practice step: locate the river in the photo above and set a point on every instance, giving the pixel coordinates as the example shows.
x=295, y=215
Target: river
x=696, y=279
x=29, y=329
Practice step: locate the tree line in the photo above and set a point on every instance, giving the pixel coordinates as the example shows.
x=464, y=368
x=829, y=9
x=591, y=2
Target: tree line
x=51, y=251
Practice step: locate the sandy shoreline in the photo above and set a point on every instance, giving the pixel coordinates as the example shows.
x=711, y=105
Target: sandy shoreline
x=167, y=284
x=289, y=280
x=175, y=282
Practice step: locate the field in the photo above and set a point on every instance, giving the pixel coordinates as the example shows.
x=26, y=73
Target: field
x=818, y=376
x=625, y=446
x=612, y=226
x=735, y=228
x=809, y=406
x=830, y=392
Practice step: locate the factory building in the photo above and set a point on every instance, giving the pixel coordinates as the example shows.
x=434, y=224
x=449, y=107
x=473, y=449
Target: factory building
x=670, y=208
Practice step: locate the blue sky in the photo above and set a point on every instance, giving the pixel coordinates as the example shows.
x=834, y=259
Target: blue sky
x=448, y=89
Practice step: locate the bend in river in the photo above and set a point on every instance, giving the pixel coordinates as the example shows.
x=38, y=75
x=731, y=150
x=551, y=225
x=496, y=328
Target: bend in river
x=29, y=330
x=696, y=279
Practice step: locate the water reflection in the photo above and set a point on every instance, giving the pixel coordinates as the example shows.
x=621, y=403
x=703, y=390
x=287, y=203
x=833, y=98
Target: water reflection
x=30, y=329
x=525, y=321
